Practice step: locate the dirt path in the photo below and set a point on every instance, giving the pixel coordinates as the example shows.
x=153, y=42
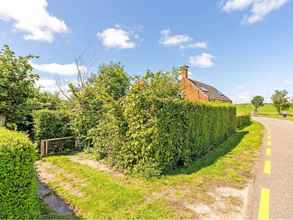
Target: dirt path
x=272, y=192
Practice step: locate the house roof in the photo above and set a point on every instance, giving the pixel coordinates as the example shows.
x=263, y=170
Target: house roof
x=211, y=91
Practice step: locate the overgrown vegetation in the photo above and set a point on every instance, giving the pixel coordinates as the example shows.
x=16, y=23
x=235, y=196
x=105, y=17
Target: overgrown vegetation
x=151, y=131
x=18, y=185
x=19, y=94
x=97, y=99
x=52, y=124
x=17, y=82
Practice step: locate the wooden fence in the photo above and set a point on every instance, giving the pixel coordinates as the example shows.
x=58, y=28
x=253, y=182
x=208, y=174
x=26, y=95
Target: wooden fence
x=44, y=148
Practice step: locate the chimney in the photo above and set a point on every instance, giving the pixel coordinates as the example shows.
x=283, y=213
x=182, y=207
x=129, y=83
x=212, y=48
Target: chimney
x=184, y=71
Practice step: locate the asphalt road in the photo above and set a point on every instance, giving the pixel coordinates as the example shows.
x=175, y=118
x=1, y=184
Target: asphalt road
x=271, y=195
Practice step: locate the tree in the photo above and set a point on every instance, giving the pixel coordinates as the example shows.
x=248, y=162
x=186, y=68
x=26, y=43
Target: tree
x=281, y=100
x=257, y=101
x=47, y=100
x=159, y=84
x=99, y=96
x=17, y=86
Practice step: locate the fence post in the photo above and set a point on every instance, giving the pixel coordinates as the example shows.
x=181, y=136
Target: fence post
x=42, y=148
x=77, y=143
x=46, y=147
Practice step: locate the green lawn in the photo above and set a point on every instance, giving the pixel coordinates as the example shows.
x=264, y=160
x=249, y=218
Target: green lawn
x=103, y=195
x=267, y=110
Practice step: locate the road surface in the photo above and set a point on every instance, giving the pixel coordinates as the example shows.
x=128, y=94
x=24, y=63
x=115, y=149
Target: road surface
x=271, y=195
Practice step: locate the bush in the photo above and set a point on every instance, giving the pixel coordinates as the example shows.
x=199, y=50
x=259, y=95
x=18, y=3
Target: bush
x=18, y=185
x=163, y=134
x=51, y=124
x=243, y=121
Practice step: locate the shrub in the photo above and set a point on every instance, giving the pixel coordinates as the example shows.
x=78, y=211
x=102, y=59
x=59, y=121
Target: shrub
x=243, y=121
x=166, y=133
x=18, y=185
x=54, y=124
x=51, y=124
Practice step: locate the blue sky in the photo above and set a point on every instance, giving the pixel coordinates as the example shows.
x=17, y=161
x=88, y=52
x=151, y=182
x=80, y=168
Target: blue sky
x=243, y=47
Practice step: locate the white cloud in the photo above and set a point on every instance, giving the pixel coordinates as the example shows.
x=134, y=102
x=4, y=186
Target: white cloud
x=183, y=41
x=259, y=9
x=32, y=18
x=201, y=45
x=204, y=60
x=47, y=85
x=61, y=69
x=116, y=37
x=173, y=40
x=237, y=5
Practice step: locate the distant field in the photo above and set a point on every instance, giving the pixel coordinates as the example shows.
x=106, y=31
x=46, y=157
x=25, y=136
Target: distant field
x=267, y=110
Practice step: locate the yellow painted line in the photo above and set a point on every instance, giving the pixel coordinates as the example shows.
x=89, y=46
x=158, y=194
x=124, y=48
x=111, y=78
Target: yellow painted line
x=269, y=137
x=264, y=204
x=268, y=167
x=269, y=143
x=268, y=151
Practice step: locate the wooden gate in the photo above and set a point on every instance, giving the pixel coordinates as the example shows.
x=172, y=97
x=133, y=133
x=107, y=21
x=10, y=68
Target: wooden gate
x=44, y=148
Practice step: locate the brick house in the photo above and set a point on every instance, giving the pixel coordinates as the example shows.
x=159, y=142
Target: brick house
x=197, y=91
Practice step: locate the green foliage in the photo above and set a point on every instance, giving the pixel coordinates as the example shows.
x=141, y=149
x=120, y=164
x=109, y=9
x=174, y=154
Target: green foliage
x=163, y=134
x=243, y=120
x=17, y=82
x=281, y=100
x=51, y=124
x=109, y=134
x=47, y=100
x=18, y=185
x=257, y=101
x=93, y=103
x=113, y=80
x=159, y=84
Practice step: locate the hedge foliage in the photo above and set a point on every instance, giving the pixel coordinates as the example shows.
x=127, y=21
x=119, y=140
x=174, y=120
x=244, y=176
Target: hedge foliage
x=51, y=124
x=18, y=185
x=243, y=121
x=163, y=134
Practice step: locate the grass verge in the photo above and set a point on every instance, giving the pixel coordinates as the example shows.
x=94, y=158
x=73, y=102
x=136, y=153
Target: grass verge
x=268, y=110
x=99, y=195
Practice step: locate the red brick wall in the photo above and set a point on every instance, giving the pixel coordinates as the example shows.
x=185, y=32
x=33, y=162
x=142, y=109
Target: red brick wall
x=191, y=92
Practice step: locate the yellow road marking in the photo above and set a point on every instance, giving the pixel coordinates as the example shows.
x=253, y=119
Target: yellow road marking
x=264, y=204
x=269, y=151
x=269, y=137
x=269, y=143
x=268, y=167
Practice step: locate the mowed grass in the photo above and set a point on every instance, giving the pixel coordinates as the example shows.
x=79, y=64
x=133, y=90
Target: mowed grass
x=98, y=194
x=267, y=110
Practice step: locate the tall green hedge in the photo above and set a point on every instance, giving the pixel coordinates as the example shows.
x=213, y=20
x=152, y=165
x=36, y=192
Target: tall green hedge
x=18, y=182
x=51, y=124
x=243, y=121
x=164, y=134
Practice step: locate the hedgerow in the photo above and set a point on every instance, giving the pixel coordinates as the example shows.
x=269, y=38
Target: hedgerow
x=18, y=185
x=51, y=124
x=166, y=133
x=163, y=134
x=243, y=121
